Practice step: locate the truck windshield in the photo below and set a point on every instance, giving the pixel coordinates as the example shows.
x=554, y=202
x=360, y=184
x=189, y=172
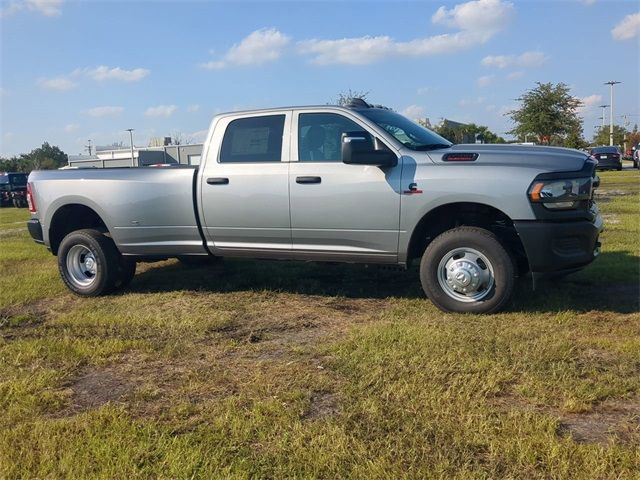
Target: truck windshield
x=410, y=134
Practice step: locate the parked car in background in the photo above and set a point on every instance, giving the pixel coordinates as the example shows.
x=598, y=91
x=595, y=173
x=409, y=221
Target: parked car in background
x=13, y=189
x=636, y=156
x=609, y=158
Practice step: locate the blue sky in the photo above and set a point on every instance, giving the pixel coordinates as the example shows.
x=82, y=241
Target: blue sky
x=73, y=71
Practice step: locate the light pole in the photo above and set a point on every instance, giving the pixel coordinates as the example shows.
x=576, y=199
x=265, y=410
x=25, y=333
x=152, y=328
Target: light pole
x=611, y=83
x=603, y=115
x=130, y=130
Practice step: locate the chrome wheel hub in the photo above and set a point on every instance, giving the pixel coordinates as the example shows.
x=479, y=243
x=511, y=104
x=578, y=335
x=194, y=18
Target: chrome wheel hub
x=81, y=265
x=465, y=274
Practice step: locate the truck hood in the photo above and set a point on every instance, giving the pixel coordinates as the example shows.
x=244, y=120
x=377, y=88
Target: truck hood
x=547, y=159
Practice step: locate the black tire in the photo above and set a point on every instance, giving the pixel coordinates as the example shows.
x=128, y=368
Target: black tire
x=126, y=272
x=198, y=260
x=491, y=297
x=80, y=245
x=619, y=168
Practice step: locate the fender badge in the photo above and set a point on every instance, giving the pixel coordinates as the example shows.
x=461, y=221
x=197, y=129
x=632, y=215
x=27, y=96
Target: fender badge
x=413, y=188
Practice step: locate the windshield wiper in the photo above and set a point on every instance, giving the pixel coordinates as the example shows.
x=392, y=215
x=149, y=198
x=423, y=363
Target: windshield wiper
x=430, y=146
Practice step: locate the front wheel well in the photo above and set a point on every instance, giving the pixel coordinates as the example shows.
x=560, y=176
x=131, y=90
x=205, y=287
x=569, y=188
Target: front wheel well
x=452, y=215
x=70, y=218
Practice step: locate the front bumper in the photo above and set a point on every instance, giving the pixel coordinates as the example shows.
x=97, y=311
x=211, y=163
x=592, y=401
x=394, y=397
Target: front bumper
x=35, y=230
x=553, y=247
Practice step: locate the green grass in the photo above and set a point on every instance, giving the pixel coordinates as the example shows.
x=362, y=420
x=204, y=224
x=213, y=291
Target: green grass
x=294, y=370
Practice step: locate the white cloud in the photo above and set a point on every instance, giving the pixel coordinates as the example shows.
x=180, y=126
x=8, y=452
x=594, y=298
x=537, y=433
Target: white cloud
x=49, y=8
x=71, y=127
x=525, y=60
x=193, y=108
x=478, y=15
x=60, y=84
x=261, y=46
x=589, y=102
x=161, y=111
x=471, y=102
x=588, y=2
x=425, y=90
x=413, y=112
x=103, y=73
x=515, y=75
x=485, y=80
x=627, y=28
x=477, y=21
x=104, y=111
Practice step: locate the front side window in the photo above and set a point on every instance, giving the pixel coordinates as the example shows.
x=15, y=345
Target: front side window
x=319, y=136
x=253, y=139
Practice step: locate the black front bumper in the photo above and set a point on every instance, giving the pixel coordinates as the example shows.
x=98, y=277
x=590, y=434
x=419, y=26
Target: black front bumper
x=35, y=230
x=553, y=247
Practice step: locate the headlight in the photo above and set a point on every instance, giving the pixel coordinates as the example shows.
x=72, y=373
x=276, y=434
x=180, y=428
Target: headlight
x=561, y=194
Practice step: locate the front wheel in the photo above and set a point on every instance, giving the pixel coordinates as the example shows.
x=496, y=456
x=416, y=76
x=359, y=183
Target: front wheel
x=467, y=270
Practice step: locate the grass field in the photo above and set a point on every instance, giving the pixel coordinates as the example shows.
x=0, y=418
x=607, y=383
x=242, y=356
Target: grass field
x=283, y=370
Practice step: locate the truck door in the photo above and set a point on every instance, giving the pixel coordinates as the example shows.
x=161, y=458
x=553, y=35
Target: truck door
x=339, y=209
x=244, y=189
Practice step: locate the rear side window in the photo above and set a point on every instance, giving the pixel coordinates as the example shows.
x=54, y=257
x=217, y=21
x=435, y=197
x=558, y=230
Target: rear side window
x=254, y=139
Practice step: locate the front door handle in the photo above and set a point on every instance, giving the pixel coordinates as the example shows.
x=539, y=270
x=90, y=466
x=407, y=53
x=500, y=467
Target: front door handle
x=308, y=179
x=218, y=181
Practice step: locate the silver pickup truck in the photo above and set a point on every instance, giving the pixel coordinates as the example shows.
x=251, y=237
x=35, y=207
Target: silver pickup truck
x=326, y=183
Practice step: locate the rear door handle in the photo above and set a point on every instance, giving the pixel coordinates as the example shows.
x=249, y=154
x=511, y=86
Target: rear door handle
x=308, y=179
x=218, y=181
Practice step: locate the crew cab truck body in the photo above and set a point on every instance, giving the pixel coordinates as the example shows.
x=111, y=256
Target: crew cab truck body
x=353, y=184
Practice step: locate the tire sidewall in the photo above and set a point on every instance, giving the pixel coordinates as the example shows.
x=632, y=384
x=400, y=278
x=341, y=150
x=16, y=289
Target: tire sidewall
x=482, y=241
x=103, y=254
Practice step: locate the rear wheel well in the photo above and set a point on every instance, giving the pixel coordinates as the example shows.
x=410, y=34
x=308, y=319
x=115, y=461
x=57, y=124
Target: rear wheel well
x=470, y=214
x=70, y=218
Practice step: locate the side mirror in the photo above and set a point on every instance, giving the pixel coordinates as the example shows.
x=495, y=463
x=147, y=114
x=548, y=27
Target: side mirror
x=358, y=149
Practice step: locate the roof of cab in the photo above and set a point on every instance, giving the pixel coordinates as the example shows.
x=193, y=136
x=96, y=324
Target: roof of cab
x=355, y=104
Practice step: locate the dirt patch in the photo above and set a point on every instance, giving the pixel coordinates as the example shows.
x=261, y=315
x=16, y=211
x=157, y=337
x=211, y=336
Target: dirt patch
x=96, y=388
x=611, y=420
x=28, y=315
x=616, y=419
x=298, y=319
x=322, y=405
x=130, y=379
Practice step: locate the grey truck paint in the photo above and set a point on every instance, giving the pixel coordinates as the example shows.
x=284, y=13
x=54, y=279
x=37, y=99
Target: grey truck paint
x=358, y=213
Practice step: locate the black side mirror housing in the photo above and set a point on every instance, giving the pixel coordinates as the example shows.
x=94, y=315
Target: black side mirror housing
x=358, y=149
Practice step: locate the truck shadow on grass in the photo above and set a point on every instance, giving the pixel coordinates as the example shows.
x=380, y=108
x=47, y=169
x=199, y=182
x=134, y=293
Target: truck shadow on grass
x=610, y=284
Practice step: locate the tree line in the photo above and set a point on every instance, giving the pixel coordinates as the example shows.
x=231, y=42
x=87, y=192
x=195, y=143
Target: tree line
x=45, y=157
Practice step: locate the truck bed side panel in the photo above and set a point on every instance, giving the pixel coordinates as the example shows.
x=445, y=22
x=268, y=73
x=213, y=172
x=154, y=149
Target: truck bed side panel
x=148, y=211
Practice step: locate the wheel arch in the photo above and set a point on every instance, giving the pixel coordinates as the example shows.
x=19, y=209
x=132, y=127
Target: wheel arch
x=71, y=217
x=474, y=214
